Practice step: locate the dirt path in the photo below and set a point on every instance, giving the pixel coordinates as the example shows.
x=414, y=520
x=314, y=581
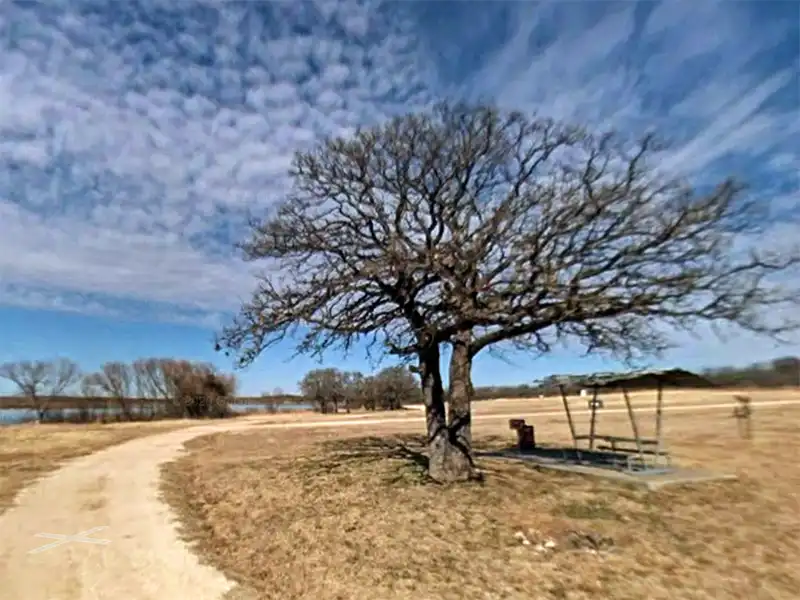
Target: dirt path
x=113, y=495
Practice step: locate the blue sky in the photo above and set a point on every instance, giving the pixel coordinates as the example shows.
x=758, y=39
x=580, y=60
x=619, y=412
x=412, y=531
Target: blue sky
x=135, y=136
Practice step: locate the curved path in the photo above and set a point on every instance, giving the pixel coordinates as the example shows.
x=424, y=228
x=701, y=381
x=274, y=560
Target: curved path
x=113, y=495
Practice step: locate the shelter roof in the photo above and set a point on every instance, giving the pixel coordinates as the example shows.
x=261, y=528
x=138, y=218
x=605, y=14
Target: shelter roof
x=638, y=378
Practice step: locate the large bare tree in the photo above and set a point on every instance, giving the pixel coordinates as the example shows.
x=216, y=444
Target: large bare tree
x=474, y=227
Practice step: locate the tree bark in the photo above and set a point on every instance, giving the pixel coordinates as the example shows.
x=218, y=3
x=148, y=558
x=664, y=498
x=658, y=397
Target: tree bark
x=435, y=416
x=42, y=406
x=449, y=444
x=459, y=427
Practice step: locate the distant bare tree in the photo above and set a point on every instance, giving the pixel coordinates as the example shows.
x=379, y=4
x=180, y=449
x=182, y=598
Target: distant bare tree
x=89, y=392
x=184, y=388
x=116, y=380
x=31, y=378
x=324, y=388
x=205, y=392
x=474, y=227
x=355, y=392
x=65, y=373
x=151, y=384
x=395, y=386
x=41, y=381
x=196, y=389
x=147, y=381
x=367, y=392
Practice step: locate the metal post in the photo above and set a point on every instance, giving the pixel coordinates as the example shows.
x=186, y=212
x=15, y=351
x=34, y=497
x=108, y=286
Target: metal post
x=634, y=426
x=659, y=415
x=749, y=422
x=742, y=413
x=569, y=415
x=593, y=420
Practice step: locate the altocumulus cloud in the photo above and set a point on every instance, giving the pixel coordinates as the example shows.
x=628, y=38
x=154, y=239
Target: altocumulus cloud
x=137, y=136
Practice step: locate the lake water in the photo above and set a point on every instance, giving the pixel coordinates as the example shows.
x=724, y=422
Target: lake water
x=13, y=416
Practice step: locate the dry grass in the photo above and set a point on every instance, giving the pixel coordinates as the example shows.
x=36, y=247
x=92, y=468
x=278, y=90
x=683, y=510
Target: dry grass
x=29, y=451
x=348, y=514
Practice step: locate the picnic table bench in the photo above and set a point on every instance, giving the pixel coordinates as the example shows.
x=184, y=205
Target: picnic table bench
x=617, y=443
x=634, y=451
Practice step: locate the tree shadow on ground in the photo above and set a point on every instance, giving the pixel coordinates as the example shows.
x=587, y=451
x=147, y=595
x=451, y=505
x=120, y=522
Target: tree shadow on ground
x=491, y=442
x=373, y=450
x=403, y=447
x=407, y=448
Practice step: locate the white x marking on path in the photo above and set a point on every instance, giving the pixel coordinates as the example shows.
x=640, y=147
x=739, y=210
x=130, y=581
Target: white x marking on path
x=63, y=539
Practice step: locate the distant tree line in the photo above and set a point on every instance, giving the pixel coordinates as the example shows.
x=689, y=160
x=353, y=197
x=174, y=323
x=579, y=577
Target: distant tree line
x=150, y=388
x=781, y=372
x=157, y=388
x=332, y=390
x=778, y=373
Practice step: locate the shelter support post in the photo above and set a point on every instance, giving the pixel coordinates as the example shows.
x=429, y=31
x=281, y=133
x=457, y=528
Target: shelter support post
x=593, y=420
x=634, y=425
x=743, y=414
x=659, y=417
x=569, y=415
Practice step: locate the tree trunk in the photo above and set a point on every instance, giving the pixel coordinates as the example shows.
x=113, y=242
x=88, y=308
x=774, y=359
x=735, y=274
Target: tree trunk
x=448, y=460
x=41, y=405
x=459, y=426
x=435, y=417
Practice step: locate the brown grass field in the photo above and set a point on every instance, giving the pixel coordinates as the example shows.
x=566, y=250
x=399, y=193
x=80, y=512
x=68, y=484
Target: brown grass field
x=347, y=513
x=29, y=451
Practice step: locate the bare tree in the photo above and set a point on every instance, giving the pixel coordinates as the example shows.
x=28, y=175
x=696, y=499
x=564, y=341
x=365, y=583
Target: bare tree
x=202, y=391
x=355, y=390
x=366, y=392
x=152, y=381
x=64, y=373
x=90, y=392
x=41, y=381
x=150, y=384
x=324, y=389
x=395, y=386
x=116, y=380
x=31, y=379
x=475, y=227
x=196, y=389
x=183, y=388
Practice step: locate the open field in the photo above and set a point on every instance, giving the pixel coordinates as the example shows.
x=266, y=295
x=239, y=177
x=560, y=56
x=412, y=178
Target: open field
x=30, y=451
x=347, y=514
x=639, y=399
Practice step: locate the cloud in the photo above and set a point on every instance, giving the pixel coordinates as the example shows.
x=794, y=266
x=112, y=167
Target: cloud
x=137, y=136
x=724, y=91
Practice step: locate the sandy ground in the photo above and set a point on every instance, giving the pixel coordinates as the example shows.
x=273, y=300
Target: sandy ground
x=113, y=495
